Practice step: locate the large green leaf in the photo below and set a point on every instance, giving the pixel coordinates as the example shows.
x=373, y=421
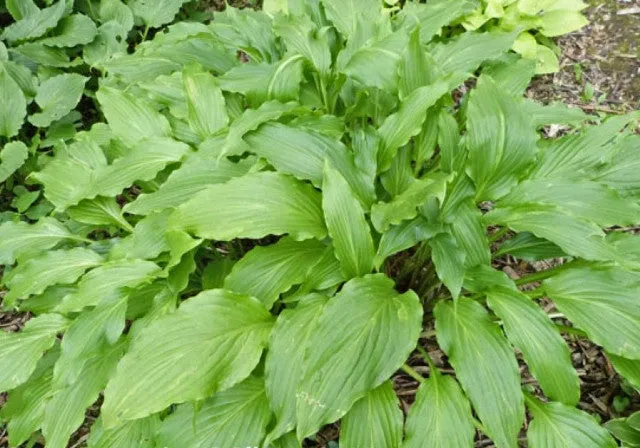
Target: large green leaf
x=225, y=334
x=134, y=434
x=374, y=421
x=432, y=16
x=235, y=417
x=132, y=119
x=529, y=247
x=266, y=272
x=283, y=369
x=19, y=239
x=12, y=157
x=157, y=12
x=556, y=425
x=501, y=139
x=206, y=105
x=253, y=206
x=621, y=171
x=13, y=105
x=546, y=353
x=448, y=260
x=440, y=417
x=101, y=211
x=603, y=302
x=301, y=35
x=21, y=351
x=628, y=368
x=56, y=97
x=51, y=268
x=403, y=236
x=485, y=366
x=76, y=29
x=35, y=24
x=356, y=345
x=345, y=15
x=346, y=225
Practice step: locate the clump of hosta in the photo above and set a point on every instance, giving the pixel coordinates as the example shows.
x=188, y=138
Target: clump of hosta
x=219, y=262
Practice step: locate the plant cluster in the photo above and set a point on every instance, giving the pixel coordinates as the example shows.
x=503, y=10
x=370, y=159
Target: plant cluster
x=275, y=207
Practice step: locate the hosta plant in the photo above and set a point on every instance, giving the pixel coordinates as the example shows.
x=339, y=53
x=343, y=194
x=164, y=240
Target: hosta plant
x=277, y=210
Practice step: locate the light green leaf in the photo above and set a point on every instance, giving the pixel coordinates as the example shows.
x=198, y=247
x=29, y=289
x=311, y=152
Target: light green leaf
x=193, y=176
x=235, y=417
x=469, y=232
x=107, y=281
x=76, y=29
x=346, y=225
x=19, y=239
x=21, y=351
x=51, y=268
x=554, y=113
x=501, y=139
x=334, y=378
x=623, y=431
x=324, y=274
x=302, y=153
x=283, y=369
x=35, y=24
x=449, y=261
x=132, y=119
x=56, y=97
x=116, y=11
x=440, y=417
x=511, y=73
x=38, y=53
x=529, y=247
x=12, y=157
x=301, y=36
x=13, y=105
x=134, y=434
x=416, y=69
x=403, y=236
x=19, y=9
x=559, y=22
x=101, y=211
x=452, y=155
x=374, y=421
x=485, y=366
x=253, y=206
x=628, y=368
x=603, y=303
x=22, y=76
x=205, y=103
x=621, y=171
x=432, y=16
x=399, y=127
x=148, y=240
x=227, y=333
x=345, y=15
x=545, y=352
x=556, y=425
x=24, y=410
x=66, y=181
x=266, y=272
x=155, y=13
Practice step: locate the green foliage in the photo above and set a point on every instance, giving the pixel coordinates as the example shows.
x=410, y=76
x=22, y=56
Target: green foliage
x=237, y=231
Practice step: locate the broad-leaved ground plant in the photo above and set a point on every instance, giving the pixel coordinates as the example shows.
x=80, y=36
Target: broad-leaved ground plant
x=220, y=257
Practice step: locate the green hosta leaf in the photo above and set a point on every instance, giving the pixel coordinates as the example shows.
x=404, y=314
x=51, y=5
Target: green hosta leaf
x=135, y=434
x=267, y=272
x=469, y=233
x=373, y=421
x=12, y=157
x=13, y=105
x=227, y=333
x=116, y=11
x=22, y=76
x=554, y=113
x=575, y=237
x=623, y=431
x=325, y=274
x=346, y=15
x=485, y=366
x=20, y=352
x=193, y=176
x=501, y=140
x=440, y=417
x=302, y=153
x=24, y=410
x=107, y=281
x=56, y=97
x=417, y=68
x=621, y=172
x=602, y=303
x=131, y=119
x=448, y=260
x=529, y=247
x=157, y=12
x=333, y=378
x=51, y=268
x=253, y=206
x=301, y=36
x=66, y=181
x=559, y=22
x=583, y=199
x=556, y=425
x=511, y=73
x=20, y=9
x=206, y=105
x=431, y=17
x=41, y=54
x=628, y=368
x=405, y=205
x=65, y=410
x=403, y=236
x=19, y=239
x=573, y=155
x=283, y=369
x=546, y=353
x=76, y=29
x=452, y=155
x=397, y=129
x=235, y=417
x=35, y=24
x=346, y=225
x=101, y=211
x=148, y=240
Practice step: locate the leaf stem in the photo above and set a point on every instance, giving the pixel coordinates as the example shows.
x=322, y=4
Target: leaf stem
x=412, y=373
